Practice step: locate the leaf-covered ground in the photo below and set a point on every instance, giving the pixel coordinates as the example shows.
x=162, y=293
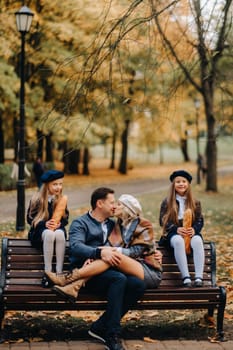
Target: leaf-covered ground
x=218, y=213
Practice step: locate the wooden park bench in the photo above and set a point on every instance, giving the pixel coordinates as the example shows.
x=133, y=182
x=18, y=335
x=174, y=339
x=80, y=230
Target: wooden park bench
x=22, y=270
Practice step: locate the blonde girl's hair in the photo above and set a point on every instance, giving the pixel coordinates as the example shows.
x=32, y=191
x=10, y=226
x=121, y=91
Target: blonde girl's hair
x=39, y=204
x=172, y=210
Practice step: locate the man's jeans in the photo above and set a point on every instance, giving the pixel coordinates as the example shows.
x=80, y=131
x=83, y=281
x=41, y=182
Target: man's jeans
x=122, y=292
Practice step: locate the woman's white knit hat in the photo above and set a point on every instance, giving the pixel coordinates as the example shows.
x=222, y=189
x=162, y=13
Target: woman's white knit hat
x=131, y=203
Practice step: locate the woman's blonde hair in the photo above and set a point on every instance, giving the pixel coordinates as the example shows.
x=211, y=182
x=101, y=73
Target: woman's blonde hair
x=172, y=208
x=39, y=203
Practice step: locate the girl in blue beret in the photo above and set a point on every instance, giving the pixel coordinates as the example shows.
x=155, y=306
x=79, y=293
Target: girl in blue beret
x=48, y=215
x=182, y=221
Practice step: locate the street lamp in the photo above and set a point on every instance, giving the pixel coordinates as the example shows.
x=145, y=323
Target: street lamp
x=23, y=22
x=197, y=104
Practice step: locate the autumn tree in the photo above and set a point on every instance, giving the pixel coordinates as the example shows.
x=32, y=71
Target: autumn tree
x=202, y=30
x=206, y=31
x=79, y=72
x=112, y=57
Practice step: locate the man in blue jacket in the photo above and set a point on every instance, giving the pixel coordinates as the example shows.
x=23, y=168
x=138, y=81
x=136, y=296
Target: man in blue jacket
x=87, y=235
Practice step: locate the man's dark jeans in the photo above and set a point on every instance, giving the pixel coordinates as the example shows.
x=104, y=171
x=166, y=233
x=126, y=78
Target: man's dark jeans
x=121, y=291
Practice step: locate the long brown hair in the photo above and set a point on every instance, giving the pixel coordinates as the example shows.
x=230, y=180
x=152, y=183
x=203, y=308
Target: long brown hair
x=39, y=204
x=172, y=208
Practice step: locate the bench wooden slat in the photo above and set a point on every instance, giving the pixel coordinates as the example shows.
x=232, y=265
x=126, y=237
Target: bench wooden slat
x=165, y=294
x=33, y=265
x=35, y=278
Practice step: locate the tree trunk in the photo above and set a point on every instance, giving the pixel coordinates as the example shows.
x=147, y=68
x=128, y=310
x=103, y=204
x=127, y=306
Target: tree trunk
x=64, y=157
x=211, y=153
x=184, y=149
x=49, y=153
x=78, y=151
x=124, y=141
x=40, y=144
x=86, y=161
x=113, y=153
x=1, y=142
x=211, y=146
x=72, y=160
x=161, y=160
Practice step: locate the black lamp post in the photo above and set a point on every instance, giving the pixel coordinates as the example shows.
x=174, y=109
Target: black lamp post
x=23, y=21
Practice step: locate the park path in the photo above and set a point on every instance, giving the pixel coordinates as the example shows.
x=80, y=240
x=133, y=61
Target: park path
x=79, y=188
x=79, y=194
x=129, y=345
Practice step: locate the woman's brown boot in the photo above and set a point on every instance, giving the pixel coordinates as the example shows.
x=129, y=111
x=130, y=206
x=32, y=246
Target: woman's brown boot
x=70, y=291
x=64, y=278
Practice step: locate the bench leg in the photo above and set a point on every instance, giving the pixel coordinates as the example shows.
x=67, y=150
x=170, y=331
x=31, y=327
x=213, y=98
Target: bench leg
x=2, y=331
x=211, y=312
x=220, y=314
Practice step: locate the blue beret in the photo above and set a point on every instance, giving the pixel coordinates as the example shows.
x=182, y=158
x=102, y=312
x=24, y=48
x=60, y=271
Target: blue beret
x=182, y=173
x=52, y=175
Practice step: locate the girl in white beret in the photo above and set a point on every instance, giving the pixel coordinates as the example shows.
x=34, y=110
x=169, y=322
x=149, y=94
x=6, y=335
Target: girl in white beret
x=182, y=221
x=48, y=215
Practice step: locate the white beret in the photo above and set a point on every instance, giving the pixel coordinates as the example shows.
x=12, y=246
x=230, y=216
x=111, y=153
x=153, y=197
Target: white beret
x=131, y=203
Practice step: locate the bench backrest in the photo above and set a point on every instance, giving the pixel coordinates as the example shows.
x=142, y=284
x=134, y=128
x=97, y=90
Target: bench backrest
x=23, y=265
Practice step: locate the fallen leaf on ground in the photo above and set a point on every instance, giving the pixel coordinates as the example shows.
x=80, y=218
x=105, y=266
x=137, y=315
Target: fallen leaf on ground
x=20, y=340
x=178, y=318
x=228, y=316
x=149, y=340
x=138, y=346
x=207, y=321
x=213, y=339
x=31, y=340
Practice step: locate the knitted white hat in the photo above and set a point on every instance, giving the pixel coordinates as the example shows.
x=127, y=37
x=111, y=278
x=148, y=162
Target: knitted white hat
x=131, y=203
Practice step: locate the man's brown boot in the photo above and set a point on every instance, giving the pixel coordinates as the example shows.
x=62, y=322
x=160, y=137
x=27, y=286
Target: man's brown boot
x=62, y=279
x=70, y=291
